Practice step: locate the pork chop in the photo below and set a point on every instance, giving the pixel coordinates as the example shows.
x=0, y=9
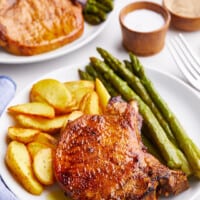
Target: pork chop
x=29, y=27
x=102, y=157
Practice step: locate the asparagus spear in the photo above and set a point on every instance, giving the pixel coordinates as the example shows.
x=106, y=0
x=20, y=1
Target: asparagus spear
x=92, y=9
x=84, y=75
x=108, y=3
x=151, y=148
x=92, y=18
x=100, y=6
x=90, y=70
x=189, y=148
x=135, y=83
x=128, y=65
x=169, y=151
x=105, y=5
x=95, y=11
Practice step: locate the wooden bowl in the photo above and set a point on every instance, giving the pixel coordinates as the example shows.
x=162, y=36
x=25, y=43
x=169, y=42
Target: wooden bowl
x=185, y=15
x=144, y=43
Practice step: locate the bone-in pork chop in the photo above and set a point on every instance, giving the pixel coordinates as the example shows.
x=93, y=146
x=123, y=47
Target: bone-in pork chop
x=29, y=27
x=102, y=157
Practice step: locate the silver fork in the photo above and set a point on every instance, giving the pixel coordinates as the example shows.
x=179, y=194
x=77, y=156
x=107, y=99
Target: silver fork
x=185, y=59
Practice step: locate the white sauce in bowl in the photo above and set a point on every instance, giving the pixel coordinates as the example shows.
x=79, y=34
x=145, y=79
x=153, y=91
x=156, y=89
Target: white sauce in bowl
x=144, y=20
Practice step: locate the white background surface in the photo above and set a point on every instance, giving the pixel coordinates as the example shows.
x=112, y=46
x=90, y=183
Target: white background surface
x=110, y=39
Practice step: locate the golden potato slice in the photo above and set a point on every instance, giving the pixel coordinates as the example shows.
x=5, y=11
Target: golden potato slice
x=90, y=103
x=103, y=94
x=34, y=147
x=43, y=166
x=75, y=85
x=19, y=162
x=52, y=92
x=40, y=123
x=83, y=102
x=34, y=108
x=23, y=135
x=79, y=93
x=78, y=89
x=46, y=139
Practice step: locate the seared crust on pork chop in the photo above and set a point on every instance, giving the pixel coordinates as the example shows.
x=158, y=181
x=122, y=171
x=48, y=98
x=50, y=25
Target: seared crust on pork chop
x=29, y=27
x=102, y=157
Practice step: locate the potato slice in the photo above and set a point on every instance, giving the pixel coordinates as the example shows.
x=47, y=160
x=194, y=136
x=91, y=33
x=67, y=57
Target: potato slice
x=78, y=89
x=43, y=166
x=19, y=162
x=103, y=94
x=42, y=124
x=46, y=139
x=34, y=108
x=80, y=93
x=90, y=103
x=23, y=135
x=34, y=147
x=75, y=85
x=52, y=92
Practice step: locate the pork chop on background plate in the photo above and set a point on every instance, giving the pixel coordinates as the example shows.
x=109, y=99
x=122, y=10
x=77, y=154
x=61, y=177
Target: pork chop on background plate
x=29, y=27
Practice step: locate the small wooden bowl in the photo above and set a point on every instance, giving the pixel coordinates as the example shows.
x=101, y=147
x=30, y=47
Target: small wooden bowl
x=144, y=43
x=182, y=17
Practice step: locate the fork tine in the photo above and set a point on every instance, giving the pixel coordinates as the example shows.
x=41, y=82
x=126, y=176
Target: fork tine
x=189, y=50
x=185, y=57
x=190, y=54
x=178, y=61
x=183, y=63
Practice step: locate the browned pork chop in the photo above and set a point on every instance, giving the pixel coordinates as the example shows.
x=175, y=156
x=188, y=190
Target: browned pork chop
x=29, y=27
x=102, y=157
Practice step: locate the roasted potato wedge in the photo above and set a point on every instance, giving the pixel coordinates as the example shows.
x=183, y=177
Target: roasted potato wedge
x=79, y=94
x=90, y=103
x=71, y=107
x=34, y=147
x=23, y=135
x=19, y=162
x=76, y=85
x=102, y=92
x=46, y=139
x=34, y=108
x=78, y=89
x=42, y=124
x=43, y=166
x=52, y=92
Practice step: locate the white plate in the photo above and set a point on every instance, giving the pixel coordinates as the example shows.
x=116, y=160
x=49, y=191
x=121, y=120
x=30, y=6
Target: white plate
x=90, y=32
x=183, y=101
